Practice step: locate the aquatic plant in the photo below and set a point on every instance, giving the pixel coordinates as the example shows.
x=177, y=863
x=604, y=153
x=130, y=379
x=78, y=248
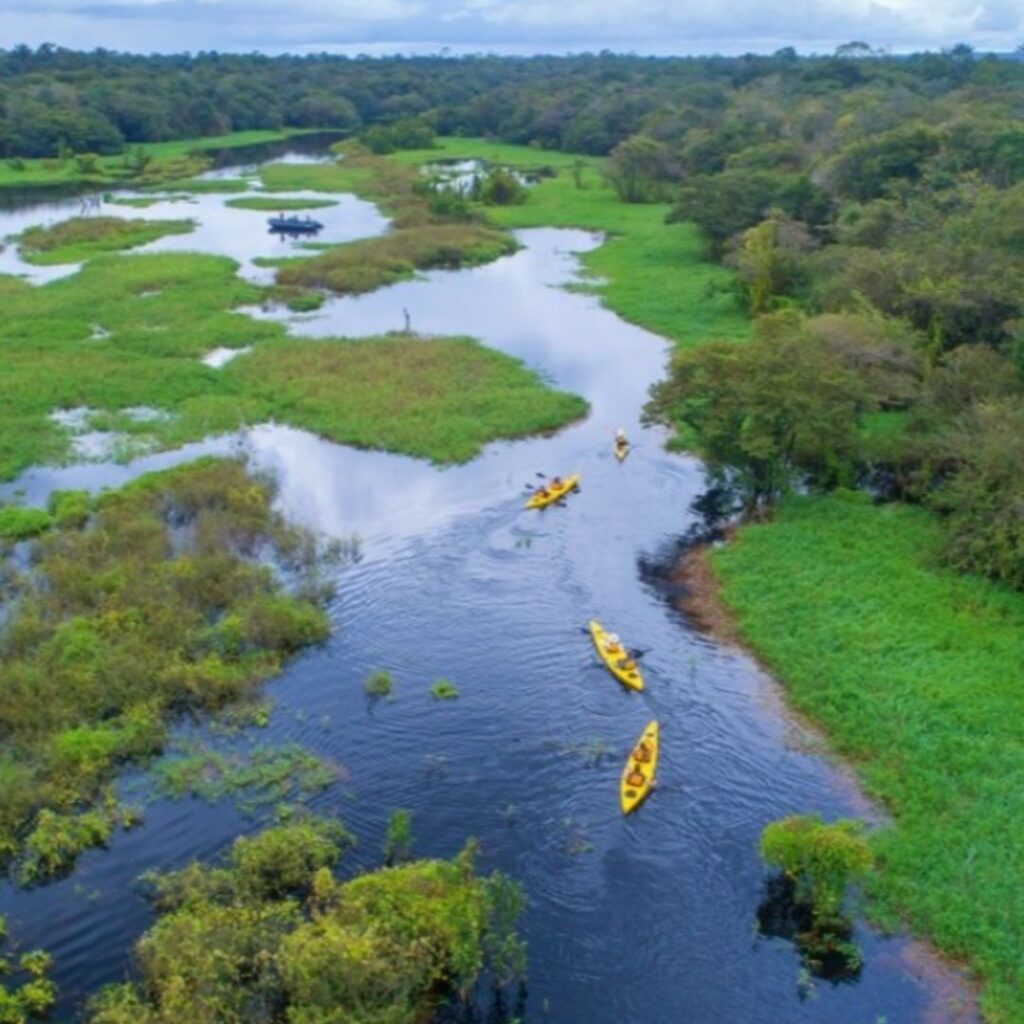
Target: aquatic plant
x=30, y=994
x=271, y=935
x=270, y=204
x=164, y=604
x=443, y=689
x=820, y=861
x=379, y=683
x=398, y=838
x=17, y=523
x=255, y=778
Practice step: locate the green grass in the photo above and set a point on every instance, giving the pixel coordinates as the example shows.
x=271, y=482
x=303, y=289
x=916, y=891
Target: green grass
x=199, y=186
x=440, y=398
x=271, y=204
x=78, y=239
x=38, y=172
x=650, y=273
x=915, y=673
x=163, y=311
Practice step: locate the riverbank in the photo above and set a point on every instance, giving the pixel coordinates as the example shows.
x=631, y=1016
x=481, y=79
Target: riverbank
x=162, y=161
x=913, y=671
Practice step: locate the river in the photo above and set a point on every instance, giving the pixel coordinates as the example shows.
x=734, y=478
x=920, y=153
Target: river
x=637, y=920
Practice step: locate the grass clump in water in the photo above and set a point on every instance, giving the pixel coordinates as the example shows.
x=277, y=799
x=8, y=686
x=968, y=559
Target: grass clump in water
x=914, y=671
x=398, y=838
x=80, y=238
x=258, y=778
x=379, y=684
x=444, y=689
x=271, y=935
x=163, y=603
x=17, y=523
x=272, y=205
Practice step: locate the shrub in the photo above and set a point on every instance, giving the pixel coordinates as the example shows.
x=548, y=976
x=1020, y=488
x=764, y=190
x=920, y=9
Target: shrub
x=379, y=683
x=18, y=523
x=444, y=689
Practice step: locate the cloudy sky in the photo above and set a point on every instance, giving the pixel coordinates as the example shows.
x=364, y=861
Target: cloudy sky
x=511, y=26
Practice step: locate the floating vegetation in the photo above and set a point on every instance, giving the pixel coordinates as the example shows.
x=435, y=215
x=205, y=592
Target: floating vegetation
x=379, y=684
x=594, y=751
x=444, y=689
x=574, y=840
x=258, y=778
x=271, y=205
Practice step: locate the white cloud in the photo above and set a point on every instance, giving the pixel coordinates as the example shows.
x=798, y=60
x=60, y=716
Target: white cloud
x=683, y=26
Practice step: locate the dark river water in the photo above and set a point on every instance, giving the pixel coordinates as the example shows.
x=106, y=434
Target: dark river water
x=638, y=920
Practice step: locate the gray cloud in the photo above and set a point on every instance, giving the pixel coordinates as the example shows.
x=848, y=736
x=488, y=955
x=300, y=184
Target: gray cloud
x=656, y=26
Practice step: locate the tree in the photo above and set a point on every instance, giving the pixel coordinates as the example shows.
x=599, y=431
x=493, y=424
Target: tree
x=641, y=170
x=767, y=413
x=769, y=259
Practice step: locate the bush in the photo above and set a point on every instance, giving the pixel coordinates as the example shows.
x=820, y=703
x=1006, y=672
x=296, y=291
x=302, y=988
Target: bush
x=443, y=689
x=501, y=188
x=379, y=683
x=18, y=523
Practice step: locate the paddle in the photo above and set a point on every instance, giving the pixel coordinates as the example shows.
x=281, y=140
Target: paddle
x=638, y=652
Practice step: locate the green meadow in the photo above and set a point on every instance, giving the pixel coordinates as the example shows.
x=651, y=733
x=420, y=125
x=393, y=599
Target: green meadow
x=914, y=672
x=166, y=155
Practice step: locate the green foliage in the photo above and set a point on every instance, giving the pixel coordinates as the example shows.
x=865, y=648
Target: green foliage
x=379, y=683
x=70, y=509
x=30, y=995
x=443, y=689
x=398, y=838
x=500, y=187
x=78, y=239
x=913, y=671
x=122, y=625
x=17, y=523
x=641, y=170
x=273, y=936
x=822, y=859
x=768, y=412
x=407, y=133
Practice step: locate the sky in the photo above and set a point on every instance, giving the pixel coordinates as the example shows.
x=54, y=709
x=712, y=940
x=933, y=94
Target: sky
x=511, y=26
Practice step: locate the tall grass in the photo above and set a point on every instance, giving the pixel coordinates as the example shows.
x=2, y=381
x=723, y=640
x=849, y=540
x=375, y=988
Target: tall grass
x=78, y=239
x=915, y=672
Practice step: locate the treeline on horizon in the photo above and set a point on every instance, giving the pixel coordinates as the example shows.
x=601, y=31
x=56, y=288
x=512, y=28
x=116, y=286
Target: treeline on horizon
x=53, y=100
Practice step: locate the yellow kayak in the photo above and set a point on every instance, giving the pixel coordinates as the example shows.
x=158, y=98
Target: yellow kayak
x=553, y=493
x=621, y=450
x=641, y=765
x=619, y=663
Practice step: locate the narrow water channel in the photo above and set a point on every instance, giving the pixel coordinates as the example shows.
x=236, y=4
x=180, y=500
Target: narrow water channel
x=642, y=920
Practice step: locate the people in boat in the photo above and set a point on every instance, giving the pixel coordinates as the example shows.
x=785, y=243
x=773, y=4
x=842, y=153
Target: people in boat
x=627, y=665
x=541, y=492
x=635, y=779
x=556, y=483
x=621, y=441
x=612, y=643
x=642, y=754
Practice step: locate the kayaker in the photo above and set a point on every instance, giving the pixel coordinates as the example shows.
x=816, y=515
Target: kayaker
x=642, y=754
x=620, y=438
x=612, y=643
x=636, y=779
x=541, y=492
x=556, y=483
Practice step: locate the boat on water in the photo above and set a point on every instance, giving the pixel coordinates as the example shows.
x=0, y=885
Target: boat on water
x=638, y=774
x=294, y=225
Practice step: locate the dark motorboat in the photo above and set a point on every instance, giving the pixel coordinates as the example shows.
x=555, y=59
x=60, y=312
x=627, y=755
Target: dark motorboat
x=294, y=225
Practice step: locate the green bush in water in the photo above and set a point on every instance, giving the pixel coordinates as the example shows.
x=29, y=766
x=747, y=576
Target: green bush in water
x=31, y=994
x=70, y=509
x=18, y=523
x=272, y=936
x=163, y=605
x=398, y=839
